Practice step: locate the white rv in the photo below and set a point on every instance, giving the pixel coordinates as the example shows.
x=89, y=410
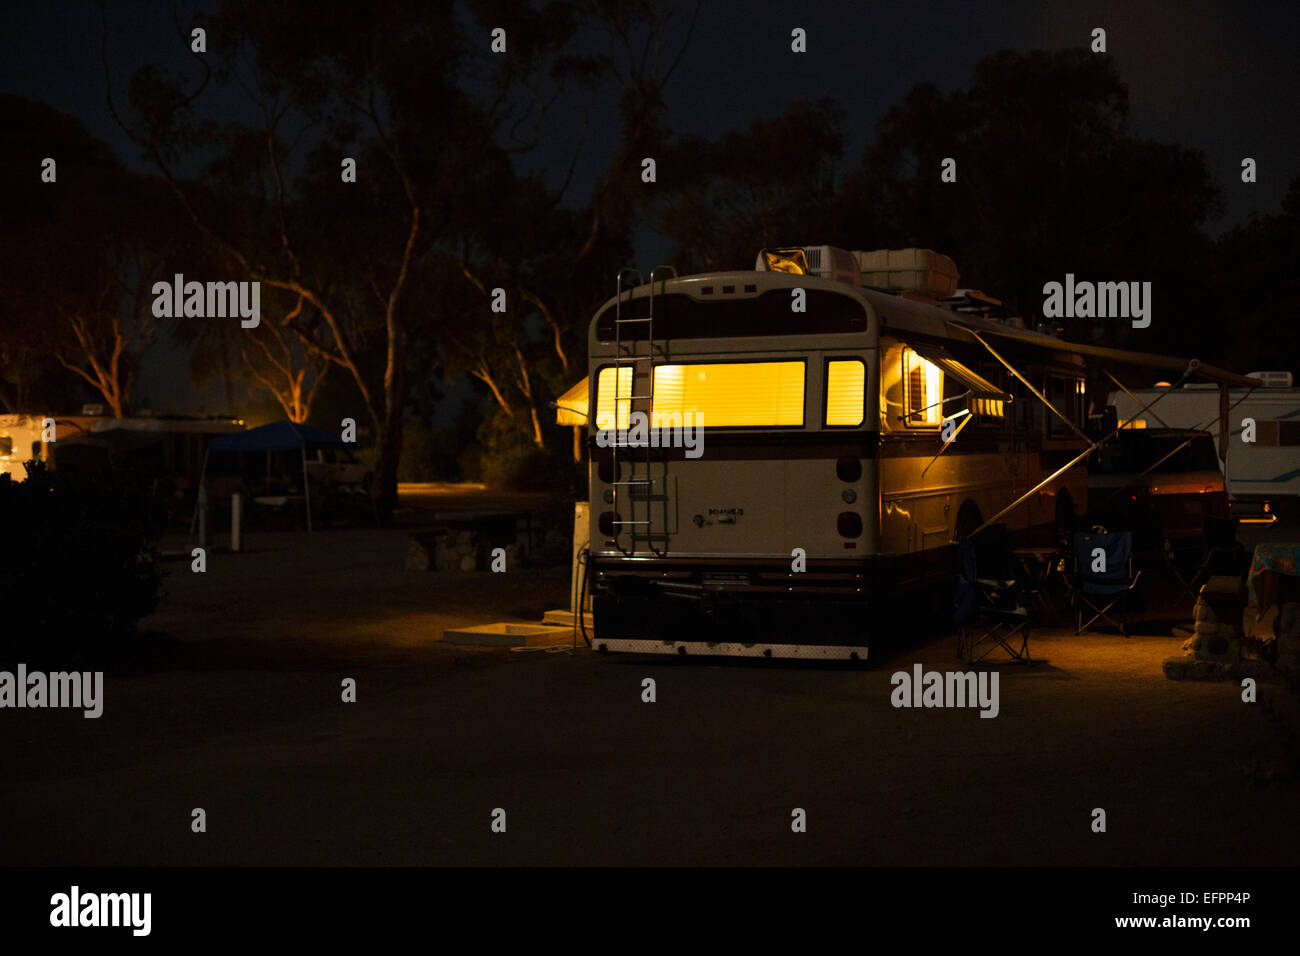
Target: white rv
x=1263, y=474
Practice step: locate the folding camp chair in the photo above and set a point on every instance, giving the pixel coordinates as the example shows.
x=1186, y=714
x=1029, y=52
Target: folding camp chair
x=1220, y=554
x=1103, y=577
x=991, y=606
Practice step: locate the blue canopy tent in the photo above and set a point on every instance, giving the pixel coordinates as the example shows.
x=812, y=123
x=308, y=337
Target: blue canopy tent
x=277, y=436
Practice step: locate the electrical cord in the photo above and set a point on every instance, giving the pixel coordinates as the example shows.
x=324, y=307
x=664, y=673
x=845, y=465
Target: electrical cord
x=580, y=605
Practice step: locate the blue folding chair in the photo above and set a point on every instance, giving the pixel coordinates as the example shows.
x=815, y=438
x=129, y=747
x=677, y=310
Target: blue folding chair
x=1103, y=576
x=990, y=605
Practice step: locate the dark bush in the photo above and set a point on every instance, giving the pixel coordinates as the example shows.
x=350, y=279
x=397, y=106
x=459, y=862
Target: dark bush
x=78, y=563
x=508, y=459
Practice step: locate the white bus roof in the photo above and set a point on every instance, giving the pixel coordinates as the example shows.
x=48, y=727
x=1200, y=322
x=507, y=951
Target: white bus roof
x=901, y=315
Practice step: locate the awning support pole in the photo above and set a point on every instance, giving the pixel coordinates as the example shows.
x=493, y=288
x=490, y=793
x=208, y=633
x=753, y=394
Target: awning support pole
x=200, y=496
x=1034, y=490
x=1221, y=416
x=951, y=438
x=1223, y=422
x=306, y=490
x=1149, y=468
x=1144, y=408
x=943, y=401
x=1235, y=432
x=1024, y=381
x=1192, y=366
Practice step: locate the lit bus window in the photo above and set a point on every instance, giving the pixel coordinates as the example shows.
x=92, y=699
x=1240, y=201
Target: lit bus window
x=605, y=404
x=846, y=383
x=989, y=407
x=723, y=395
x=730, y=394
x=924, y=386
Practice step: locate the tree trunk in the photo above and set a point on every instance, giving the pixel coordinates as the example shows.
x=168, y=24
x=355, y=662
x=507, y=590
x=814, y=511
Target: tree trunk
x=538, y=439
x=383, y=483
x=389, y=440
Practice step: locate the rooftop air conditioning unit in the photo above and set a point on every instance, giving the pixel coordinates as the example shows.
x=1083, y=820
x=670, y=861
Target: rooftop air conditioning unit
x=827, y=262
x=1272, y=379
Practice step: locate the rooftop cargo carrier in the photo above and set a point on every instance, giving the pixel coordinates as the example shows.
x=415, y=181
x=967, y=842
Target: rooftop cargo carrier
x=910, y=270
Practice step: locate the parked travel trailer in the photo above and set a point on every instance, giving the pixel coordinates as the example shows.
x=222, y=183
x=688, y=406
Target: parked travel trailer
x=859, y=414
x=1263, y=475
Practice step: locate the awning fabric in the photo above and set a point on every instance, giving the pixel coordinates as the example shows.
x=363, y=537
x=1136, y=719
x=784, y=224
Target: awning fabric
x=572, y=406
x=278, y=436
x=1170, y=363
x=978, y=386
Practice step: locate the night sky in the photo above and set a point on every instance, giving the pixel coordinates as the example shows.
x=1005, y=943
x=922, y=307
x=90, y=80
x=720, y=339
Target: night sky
x=1220, y=77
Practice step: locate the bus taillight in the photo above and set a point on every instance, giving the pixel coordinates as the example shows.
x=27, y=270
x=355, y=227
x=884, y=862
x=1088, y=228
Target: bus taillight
x=607, y=469
x=849, y=524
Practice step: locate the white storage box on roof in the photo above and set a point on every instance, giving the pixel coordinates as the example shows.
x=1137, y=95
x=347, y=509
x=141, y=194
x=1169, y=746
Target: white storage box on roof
x=913, y=270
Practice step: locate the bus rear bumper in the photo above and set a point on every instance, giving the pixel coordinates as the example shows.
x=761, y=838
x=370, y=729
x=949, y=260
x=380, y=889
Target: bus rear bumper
x=734, y=625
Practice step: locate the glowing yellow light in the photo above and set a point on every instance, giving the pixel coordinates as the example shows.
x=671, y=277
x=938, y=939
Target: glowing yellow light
x=721, y=395
x=991, y=407
x=730, y=394
x=786, y=260
x=924, y=383
x=571, y=407
x=846, y=382
x=605, y=398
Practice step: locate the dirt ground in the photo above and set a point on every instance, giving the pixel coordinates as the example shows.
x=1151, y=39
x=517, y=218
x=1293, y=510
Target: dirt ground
x=231, y=703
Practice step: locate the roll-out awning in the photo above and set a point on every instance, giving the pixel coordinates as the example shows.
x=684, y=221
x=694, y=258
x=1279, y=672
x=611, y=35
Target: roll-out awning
x=571, y=407
x=1171, y=363
x=976, y=385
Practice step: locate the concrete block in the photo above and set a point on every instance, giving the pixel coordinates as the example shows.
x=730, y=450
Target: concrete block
x=509, y=635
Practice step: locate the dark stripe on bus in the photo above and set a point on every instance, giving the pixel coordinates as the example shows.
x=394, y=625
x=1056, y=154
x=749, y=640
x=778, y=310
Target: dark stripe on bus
x=678, y=316
x=724, y=446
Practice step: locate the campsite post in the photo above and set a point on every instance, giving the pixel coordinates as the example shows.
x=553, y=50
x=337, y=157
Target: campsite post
x=203, y=515
x=236, y=513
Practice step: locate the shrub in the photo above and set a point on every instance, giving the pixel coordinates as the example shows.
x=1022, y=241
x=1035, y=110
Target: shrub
x=78, y=563
x=416, y=463
x=510, y=460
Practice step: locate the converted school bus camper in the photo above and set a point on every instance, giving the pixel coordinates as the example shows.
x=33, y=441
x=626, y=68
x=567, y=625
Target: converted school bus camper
x=858, y=417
